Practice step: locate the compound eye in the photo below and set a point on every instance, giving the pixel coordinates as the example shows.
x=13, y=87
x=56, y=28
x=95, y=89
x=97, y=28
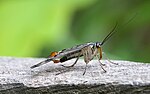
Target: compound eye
x=97, y=45
x=53, y=54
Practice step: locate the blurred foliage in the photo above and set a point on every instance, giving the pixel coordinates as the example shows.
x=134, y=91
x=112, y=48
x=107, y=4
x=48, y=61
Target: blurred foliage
x=34, y=28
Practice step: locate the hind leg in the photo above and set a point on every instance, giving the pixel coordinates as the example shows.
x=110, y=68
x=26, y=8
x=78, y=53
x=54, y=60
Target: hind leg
x=74, y=62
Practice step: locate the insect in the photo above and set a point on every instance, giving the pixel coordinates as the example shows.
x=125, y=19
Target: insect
x=87, y=50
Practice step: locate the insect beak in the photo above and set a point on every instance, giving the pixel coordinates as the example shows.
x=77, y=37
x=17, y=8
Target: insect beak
x=100, y=52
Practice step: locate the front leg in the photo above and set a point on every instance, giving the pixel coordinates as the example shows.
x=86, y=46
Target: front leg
x=101, y=64
x=108, y=59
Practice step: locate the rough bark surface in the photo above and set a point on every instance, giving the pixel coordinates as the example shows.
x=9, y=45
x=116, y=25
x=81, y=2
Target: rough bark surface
x=127, y=77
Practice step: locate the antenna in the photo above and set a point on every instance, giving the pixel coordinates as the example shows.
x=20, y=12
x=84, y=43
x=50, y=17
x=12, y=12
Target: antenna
x=113, y=30
x=110, y=34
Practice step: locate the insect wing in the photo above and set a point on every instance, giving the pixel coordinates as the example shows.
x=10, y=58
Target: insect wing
x=42, y=62
x=71, y=50
x=63, y=53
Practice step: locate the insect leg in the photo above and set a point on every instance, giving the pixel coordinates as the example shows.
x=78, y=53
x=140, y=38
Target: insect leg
x=88, y=55
x=85, y=69
x=74, y=62
x=100, y=55
x=108, y=59
x=99, y=60
x=101, y=64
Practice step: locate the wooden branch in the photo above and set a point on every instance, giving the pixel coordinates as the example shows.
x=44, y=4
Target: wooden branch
x=16, y=77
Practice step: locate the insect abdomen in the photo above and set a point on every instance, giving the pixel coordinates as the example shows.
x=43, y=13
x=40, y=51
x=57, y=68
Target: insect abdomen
x=70, y=56
x=53, y=54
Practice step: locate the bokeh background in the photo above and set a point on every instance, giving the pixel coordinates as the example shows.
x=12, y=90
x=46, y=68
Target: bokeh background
x=34, y=28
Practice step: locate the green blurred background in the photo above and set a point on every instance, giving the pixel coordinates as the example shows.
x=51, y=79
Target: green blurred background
x=34, y=28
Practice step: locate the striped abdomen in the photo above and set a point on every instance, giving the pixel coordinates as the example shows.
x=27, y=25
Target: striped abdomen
x=71, y=56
